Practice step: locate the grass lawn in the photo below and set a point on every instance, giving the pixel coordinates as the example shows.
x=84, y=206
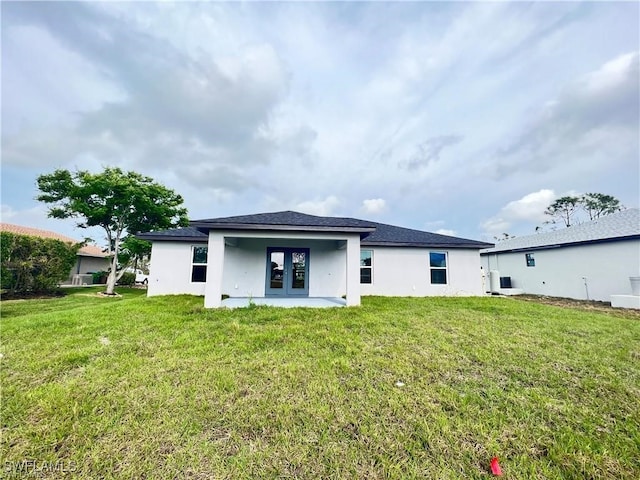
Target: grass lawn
x=161, y=388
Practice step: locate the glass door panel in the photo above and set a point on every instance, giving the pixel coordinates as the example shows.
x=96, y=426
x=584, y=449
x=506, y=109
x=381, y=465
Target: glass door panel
x=276, y=271
x=298, y=280
x=287, y=271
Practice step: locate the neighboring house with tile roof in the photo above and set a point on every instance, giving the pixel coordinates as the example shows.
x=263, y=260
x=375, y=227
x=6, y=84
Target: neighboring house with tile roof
x=592, y=260
x=90, y=257
x=295, y=255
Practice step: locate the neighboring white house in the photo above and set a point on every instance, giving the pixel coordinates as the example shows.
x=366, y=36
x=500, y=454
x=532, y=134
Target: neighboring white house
x=90, y=258
x=294, y=255
x=589, y=261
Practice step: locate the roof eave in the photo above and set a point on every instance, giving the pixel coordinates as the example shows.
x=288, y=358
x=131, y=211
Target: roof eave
x=169, y=238
x=561, y=245
x=473, y=246
x=204, y=226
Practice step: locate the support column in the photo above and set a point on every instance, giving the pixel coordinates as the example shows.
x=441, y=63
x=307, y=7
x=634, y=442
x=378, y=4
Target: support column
x=215, y=263
x=353, y=271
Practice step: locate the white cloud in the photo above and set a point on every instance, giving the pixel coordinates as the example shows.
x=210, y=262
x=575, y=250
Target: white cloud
x=429, y=226
x=296, y=106
x=569, y=128
x=446, y=231
x=529, y=208
x=322, y=208
x=612, y=74
x=429, y=151
x=32, y=217
x=178, y=108
x=374, y=206
x=496, y=225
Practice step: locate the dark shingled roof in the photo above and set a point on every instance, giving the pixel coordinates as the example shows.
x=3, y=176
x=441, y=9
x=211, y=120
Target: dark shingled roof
x=186, y=234
x=286, y=219
x=373, y=234
x=390, y=235
x=619, y=226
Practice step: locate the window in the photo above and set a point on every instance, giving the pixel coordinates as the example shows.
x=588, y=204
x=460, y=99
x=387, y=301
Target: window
x=438, y=266
x=199, y=265
x=366, y=266
x=531, y=262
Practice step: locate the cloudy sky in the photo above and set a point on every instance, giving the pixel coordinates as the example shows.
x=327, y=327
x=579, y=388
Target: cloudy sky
x=461, y=118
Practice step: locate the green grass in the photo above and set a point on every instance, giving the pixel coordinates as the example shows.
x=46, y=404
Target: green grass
x=162, y=388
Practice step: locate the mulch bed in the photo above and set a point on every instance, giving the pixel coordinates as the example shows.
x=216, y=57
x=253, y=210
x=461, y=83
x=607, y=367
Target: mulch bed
x=586, y=305
x=32, y=295
x=107, y=295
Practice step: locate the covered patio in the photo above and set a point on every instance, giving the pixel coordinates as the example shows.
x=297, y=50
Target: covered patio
x=285, y=259
x=285, y=269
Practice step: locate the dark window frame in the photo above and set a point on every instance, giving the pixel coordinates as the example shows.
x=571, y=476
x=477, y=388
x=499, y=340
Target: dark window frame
x=436, y=271
x=198, y=266
x=366, y=268
x=530, y=259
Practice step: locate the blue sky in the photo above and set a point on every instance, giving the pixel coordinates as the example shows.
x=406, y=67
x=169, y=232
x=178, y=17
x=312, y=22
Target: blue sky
x=454, y=117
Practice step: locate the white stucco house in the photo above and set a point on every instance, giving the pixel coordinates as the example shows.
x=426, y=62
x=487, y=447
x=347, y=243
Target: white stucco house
x=590, y=261
x=291, y=255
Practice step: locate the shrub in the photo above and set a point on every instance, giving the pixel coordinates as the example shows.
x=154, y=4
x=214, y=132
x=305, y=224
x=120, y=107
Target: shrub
x=33, y=264
x=128, y=278
x=100, y=277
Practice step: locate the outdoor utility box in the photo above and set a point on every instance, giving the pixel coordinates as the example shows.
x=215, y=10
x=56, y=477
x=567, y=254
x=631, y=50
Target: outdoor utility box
x=505, y=282
x=82, y=279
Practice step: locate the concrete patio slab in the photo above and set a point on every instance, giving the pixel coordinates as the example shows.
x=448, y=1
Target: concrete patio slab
x=625, y=301
x=288, y=302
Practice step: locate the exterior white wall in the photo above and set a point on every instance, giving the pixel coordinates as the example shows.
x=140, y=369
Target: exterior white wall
x=245, y=266
x=245, y=263
x=170, y=270
x=397, y=271
x=559, y=272
x=215, y=262
x=404, y=271
x=90, y=264
x=353, y=272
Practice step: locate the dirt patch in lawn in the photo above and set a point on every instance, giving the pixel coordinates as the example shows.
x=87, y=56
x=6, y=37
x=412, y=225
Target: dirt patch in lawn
x=32, y=295
x=108, y=295
x=586, y=305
